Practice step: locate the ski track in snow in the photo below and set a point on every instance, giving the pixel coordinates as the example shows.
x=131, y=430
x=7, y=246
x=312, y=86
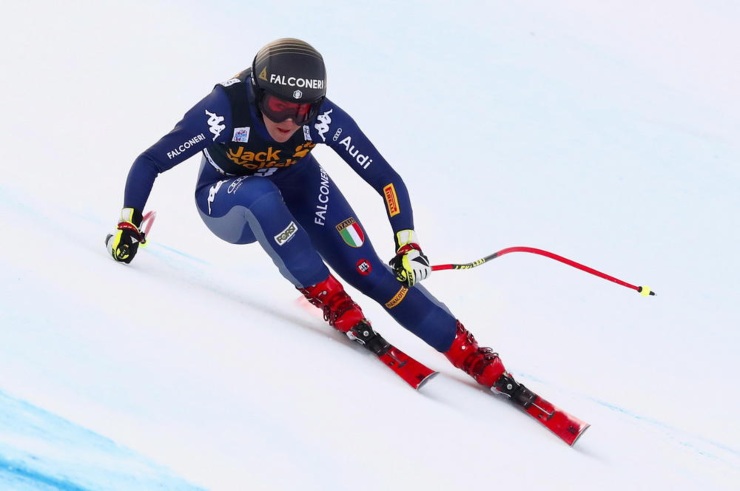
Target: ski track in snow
x=33, y=438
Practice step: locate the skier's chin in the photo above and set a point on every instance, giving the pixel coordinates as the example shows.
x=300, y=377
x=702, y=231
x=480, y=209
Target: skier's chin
x=280, y=132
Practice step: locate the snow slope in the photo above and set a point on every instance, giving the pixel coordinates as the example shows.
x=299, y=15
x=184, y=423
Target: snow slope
x=606, y=132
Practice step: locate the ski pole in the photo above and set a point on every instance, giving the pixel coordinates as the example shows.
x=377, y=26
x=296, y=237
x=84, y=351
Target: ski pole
x=146, y=224
x=642, y=290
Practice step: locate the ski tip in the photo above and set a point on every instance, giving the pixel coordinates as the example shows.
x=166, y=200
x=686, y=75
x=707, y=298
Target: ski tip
x=426, y=379
x=580, y=434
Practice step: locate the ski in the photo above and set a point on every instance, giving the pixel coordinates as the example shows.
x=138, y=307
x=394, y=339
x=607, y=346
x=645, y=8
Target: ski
x=565, y=426
x=411, y=371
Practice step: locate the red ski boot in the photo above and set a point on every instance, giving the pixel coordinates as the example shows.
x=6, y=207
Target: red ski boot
x=340, y=310
x=345, y=315
x=486, y=368
x=480, y=363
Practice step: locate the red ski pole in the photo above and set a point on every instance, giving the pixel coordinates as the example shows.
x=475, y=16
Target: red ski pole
x=146, y=223
x=643, y=290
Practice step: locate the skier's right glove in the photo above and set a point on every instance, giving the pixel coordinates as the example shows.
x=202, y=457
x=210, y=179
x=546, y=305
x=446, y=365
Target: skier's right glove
x=410, y=264
x=124, y=242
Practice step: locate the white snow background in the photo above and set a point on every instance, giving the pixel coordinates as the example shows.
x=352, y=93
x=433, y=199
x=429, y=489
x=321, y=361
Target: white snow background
x=607, y=132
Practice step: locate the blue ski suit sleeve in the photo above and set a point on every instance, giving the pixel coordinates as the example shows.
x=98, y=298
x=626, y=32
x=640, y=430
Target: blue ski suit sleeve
x=206, y=123
x=335, y=128
x=210, y=121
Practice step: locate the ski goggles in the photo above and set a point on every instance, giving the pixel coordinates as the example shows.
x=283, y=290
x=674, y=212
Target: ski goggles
x=279, y=110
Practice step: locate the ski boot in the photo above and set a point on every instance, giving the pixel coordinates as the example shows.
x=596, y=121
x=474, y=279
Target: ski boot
x=340, y=311
x=486, y=368
x=482, y=364
x=344, y=314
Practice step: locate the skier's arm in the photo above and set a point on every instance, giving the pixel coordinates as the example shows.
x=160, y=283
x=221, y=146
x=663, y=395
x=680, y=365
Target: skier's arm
x=337, y=129
x=208, y=122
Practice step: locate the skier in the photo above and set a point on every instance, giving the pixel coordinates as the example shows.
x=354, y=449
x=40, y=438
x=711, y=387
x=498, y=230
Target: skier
x=258, y=182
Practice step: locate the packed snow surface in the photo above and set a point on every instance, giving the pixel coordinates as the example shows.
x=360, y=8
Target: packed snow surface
x=606, y=132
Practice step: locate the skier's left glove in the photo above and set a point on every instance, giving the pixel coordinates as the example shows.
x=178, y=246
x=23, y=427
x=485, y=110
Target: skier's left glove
x=124, y=242
x=410, y=264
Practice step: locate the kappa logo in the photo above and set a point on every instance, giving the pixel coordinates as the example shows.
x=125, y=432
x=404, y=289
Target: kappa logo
x=322, y=126
x=214, y=123
x=286, y=234
x=212, y=194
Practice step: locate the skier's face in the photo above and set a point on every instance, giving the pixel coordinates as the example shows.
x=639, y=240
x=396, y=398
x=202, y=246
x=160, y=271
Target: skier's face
x=280, y=132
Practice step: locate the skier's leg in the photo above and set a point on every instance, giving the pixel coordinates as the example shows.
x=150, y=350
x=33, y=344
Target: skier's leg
x=242, y=210
x=339, y=237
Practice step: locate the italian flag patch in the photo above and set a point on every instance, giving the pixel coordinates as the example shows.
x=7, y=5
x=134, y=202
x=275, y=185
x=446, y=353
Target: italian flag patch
x=351, y=232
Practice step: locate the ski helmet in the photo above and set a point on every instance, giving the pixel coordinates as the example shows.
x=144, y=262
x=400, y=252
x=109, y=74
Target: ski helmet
x=290, y=69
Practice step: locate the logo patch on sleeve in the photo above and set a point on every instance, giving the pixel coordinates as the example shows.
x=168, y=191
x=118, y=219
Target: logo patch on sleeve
x=364, y=267
x=397, y=298
x=391, y=200
x=241, y=135
x=351, y=232
x=230, y=82
x=215, y=124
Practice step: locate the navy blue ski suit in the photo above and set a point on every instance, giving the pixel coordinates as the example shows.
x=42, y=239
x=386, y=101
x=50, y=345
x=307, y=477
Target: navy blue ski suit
x=251, y=188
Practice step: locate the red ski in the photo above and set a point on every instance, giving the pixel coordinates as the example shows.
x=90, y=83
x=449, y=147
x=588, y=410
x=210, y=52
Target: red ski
x=565, y=426
x=411, y=371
